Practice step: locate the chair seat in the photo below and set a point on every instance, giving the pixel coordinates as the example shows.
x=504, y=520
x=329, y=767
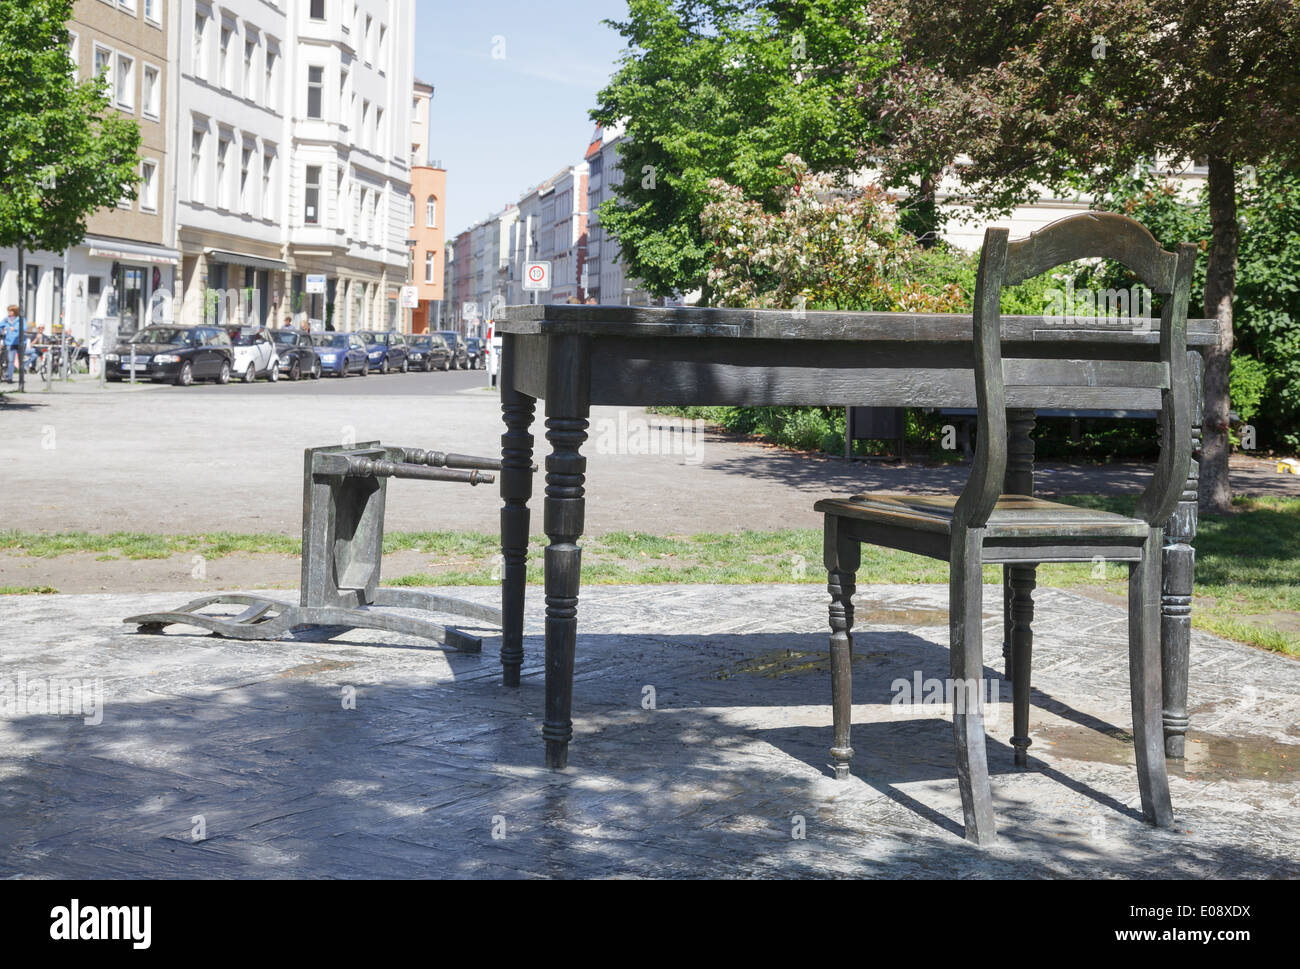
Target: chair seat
x=1014, y=516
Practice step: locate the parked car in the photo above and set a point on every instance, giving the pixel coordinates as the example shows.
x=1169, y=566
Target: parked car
x=297, y=356
x=341, y=353
x=386, y=349
x=474, y=351
x=428, y=351
x=181, y=354
x=456, y=343
x=255, y=354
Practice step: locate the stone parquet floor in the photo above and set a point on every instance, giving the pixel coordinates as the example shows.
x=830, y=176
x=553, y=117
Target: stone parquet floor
x=435, y=770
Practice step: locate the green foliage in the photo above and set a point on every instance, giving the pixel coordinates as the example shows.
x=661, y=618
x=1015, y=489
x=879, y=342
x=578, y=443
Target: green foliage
x=824, y=246
x=721, y=89
x=1266, y=304
x=1249, y=381
x=63, y=152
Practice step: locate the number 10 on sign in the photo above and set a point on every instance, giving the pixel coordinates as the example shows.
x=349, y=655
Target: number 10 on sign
x=537, y=275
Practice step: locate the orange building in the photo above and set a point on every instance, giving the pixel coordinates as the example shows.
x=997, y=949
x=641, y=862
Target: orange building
x=428, y=198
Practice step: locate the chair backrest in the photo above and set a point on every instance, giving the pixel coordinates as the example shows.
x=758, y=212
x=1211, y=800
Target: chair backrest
x=1039, y=381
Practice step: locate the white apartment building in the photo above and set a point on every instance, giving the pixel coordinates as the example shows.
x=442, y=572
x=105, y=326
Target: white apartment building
x=525, y=241
x=296, y=117
x=603, y=272
x=490, y=271
x=552, y=227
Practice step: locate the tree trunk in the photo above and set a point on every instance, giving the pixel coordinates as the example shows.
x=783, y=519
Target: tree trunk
x=22, y=320
x=1220, y=284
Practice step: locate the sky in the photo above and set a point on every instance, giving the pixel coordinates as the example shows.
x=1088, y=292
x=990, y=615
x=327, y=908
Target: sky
x=503, y=123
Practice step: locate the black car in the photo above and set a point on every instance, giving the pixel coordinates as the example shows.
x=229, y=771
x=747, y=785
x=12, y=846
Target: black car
x=180, y=354
x=474, y=349
x=428, y=351
x=297, y=357
x=456, y=343
x=386, y=350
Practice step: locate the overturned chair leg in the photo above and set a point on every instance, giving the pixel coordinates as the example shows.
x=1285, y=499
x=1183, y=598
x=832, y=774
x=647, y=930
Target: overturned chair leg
x=1145, y=682
x=965, y=631
x=842, y=558
x=252, y=623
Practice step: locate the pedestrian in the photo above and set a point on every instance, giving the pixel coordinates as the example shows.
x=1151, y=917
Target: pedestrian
x=10, y=325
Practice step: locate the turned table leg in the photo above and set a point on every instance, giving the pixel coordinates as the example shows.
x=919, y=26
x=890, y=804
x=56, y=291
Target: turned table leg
x=568, y=380
x=516, y=488
x=1019, y=582
x=1178, y=567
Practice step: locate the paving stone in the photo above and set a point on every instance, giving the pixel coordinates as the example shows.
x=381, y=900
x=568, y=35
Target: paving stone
x=437, y=771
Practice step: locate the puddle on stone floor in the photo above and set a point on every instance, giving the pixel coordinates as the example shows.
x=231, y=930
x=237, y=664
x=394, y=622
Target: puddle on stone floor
x=320, y=666
x=787, y=662
x=1209, y=757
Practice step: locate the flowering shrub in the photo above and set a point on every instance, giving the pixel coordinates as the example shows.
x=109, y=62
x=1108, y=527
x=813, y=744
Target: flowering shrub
x=826, y=246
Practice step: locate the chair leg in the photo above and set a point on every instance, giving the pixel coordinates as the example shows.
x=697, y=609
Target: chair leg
x=965, y=632
x=1145, y=681
x=1021, y=585
x=842, y=555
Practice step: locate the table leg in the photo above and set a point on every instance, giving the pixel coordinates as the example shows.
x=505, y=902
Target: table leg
x=568, y=382
x=1020, y=580
x=516, y=488
x=1179, y=567
x=1019, y=480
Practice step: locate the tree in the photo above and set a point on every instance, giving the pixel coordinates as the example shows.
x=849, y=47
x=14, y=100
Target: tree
x=1036, y=91
x=63, y=152
x=717, y=89
x=825, y=247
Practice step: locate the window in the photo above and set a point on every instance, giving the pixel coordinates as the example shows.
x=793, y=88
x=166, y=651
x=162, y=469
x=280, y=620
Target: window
x=383, y=46
x=245, y=189
x=125, y=82
x=149, y=186
x=250, y=81
x=428, y=266
x=431, y=212
x=410, y=208
x=197, y=137
x=364, y=139
x=200, y=46
x=268, y=204
x=151, y=8
x=127, y=5
x=379, y=130
x=74, y=51
x=315, y=81
x=311, y=199
x=366, y=49
x=317, y=9
x=223, y=57
x=269, y=91
x=223, y=155
x=150, y=96
x=104, y=66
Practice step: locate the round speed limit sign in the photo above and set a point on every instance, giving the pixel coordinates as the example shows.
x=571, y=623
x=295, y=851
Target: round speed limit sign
x=537, y=275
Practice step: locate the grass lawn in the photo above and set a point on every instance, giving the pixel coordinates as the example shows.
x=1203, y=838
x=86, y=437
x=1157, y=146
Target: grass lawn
x=1247, y=564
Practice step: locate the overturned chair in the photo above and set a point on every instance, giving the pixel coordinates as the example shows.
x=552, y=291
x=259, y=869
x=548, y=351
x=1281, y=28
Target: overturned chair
x=344, y=491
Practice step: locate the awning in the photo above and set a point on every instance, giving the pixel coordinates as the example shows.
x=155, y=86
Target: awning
x=131, y=251
x=243, y=259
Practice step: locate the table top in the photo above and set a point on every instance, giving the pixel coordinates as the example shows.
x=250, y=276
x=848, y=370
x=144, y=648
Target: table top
x=654, y=322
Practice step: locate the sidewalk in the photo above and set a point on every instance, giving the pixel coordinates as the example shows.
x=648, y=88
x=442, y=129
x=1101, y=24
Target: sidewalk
x=252, y=741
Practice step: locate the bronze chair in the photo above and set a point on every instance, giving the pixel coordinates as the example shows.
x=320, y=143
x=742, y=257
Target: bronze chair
x=983, y=525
